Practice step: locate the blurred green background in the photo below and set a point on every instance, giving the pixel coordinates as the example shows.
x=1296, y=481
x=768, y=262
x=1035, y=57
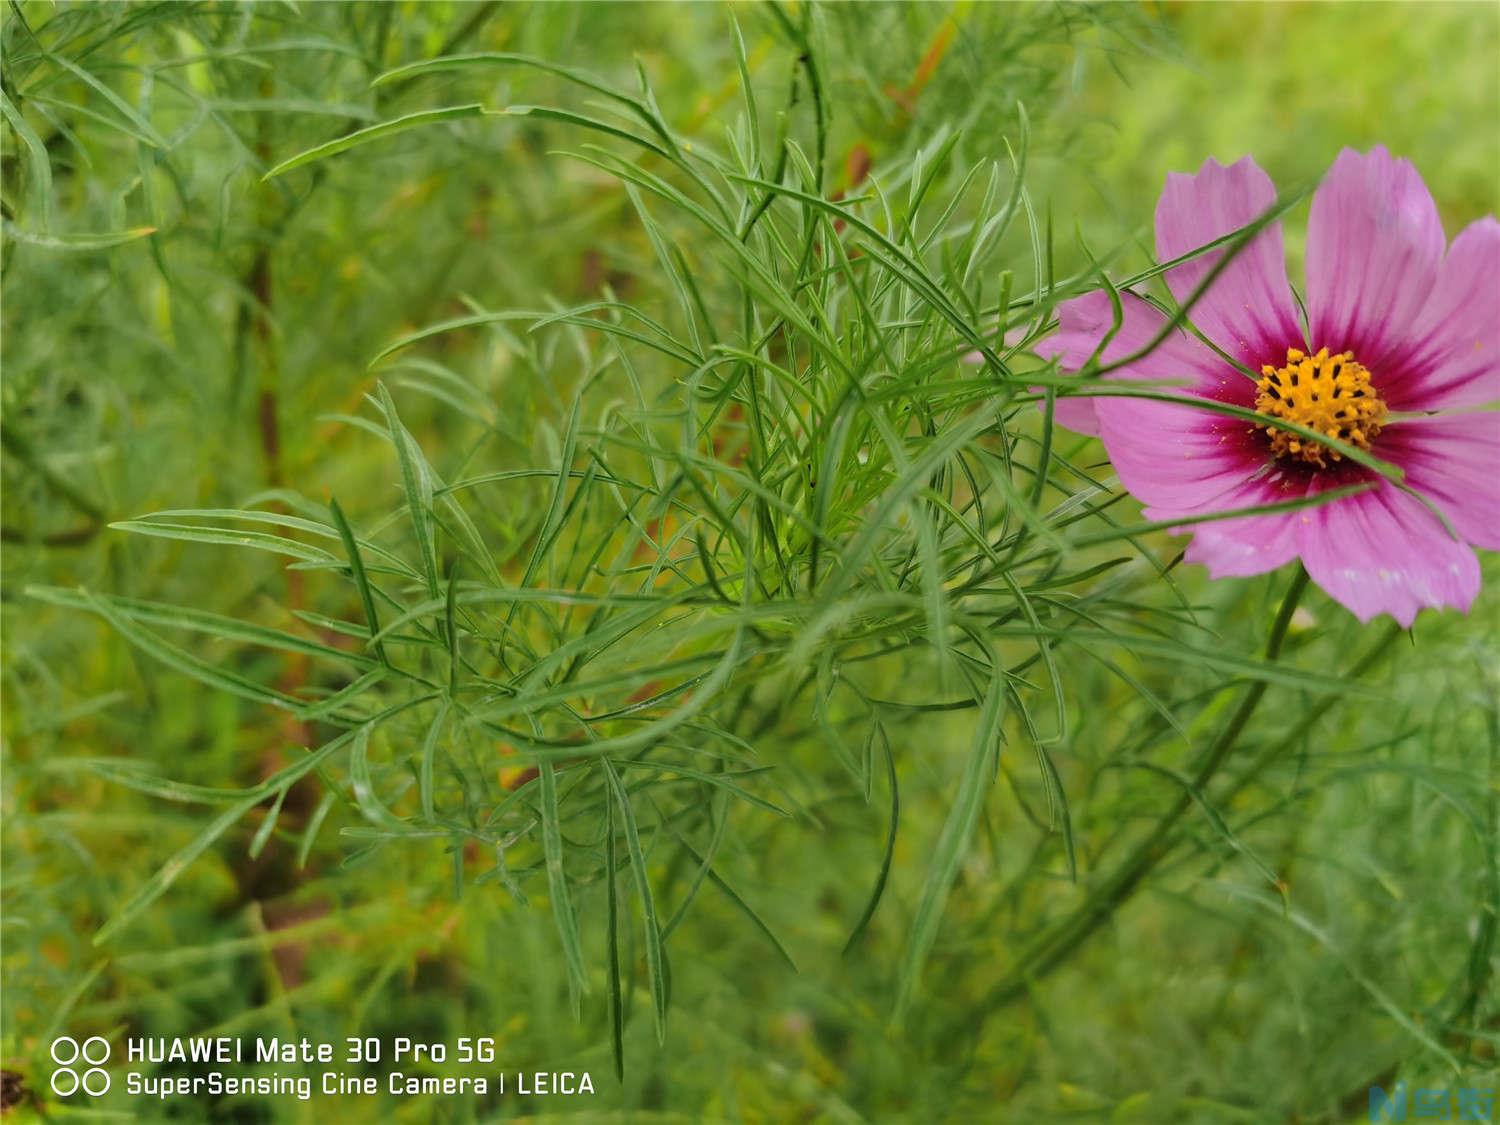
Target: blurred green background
x=211, y=361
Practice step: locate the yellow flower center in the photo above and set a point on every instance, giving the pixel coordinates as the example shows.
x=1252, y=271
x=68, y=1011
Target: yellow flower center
x=1328, y=393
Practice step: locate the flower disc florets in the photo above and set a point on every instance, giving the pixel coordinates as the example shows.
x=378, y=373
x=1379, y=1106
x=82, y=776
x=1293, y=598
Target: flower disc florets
x=1331, y=394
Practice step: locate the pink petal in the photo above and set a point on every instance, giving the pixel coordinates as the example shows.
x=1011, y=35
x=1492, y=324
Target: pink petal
x=1179, y=458
x=1085, y=321
x=1076, y=414
x=1185, y=461
x=1244, y=545
x=1248, y=309
x=1454, y=461
x=1383, y=552
x=1374, y=241
x=1452, y=357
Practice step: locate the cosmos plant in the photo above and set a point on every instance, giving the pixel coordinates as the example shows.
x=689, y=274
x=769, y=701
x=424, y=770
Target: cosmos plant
x=771, y=528
x=1398, y=347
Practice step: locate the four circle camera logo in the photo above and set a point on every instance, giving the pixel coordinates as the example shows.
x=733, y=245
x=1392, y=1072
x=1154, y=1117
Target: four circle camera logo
x=70, y=1055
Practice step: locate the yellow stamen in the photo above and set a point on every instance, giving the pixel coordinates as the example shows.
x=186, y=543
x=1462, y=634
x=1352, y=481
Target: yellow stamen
x=1328, y=393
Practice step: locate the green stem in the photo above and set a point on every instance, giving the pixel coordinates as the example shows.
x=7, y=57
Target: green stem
x=1257, y=767
x=1060, y=941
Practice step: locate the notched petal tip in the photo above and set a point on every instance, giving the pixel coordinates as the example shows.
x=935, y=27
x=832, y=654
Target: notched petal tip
x=1247, y=309
x=1212, y=164
x=1374, y=242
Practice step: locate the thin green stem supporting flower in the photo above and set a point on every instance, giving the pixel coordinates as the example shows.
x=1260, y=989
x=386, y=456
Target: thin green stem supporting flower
x=1059, y=942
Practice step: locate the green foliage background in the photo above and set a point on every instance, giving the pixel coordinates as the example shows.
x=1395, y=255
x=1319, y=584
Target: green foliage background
x=181, y=333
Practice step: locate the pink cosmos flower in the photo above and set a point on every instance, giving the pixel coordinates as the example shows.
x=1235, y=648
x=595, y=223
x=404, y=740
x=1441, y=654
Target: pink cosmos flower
x=1401, y=336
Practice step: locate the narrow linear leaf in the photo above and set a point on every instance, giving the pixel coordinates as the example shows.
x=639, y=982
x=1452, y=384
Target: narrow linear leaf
x=369, y=804
x=314, y=826
x=954, y=840
x=557, y=883
x=612, y=900
x=744, y=907
x=267, y=826
x=890, y=844
x=169, y=872
x=76, y=240
x=655, y=968
x=40, y=169
x=185, y=662
x=196, y=620
x=277, y=544
x=374, y=133
x=416, y=479
x=361, y=580
x=429, y=756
